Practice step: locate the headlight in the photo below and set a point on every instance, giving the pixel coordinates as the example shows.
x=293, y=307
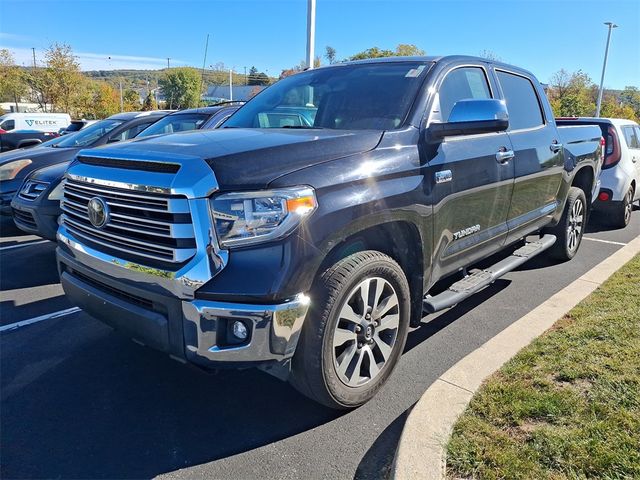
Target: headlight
x=244, y=218
x=8, y=171
x=56, y=193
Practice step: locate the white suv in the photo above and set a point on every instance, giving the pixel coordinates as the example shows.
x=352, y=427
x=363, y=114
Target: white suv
x=620, y=175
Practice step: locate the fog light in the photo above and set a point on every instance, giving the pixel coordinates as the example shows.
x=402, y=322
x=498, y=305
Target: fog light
x=239, y=330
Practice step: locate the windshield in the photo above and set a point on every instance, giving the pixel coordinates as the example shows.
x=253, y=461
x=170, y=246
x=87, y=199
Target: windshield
x=90, y=134
x=175, y=123
x=365, y=96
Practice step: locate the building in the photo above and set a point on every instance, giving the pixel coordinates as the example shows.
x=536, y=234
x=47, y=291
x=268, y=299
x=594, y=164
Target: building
x=221, y=93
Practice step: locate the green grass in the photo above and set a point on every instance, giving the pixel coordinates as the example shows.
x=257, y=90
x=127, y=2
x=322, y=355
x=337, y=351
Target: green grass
x=568, y=405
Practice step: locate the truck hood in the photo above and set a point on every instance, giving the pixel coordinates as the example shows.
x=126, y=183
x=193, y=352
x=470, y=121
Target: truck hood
x=250, y=158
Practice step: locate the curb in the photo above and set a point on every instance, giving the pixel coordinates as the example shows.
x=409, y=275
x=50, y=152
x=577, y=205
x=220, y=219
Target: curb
x=421, y=452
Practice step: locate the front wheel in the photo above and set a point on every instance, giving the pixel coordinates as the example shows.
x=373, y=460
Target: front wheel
x=570, y=229
x=355, y=331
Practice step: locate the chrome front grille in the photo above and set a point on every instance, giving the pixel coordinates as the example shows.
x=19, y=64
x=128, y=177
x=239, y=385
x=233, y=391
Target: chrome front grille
x=140, y=226
x=32, y=189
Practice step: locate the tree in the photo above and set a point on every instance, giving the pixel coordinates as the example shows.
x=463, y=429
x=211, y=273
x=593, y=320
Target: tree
x=257, y=78
x=131, y=100
x=489, y=55
x=12, y=82
x=330, y=54
x=149, y=102
x=630, y=96
x=612, y=107
x=403, y=49
x=408, y=50
x=373, y=52
x=181, y=87
x=106, y=100
x=572, y=95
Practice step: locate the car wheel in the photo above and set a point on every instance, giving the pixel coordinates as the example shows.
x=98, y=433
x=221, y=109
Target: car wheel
x=622, y=215
x=355, y=331
x=570, y=229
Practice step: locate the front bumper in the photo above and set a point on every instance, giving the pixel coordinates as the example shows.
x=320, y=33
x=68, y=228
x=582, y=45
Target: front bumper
x=193, y=330
x=38, y=218
x=5, y=202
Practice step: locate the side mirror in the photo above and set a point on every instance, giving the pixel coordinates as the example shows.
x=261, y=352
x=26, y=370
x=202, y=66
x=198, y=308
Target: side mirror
x=470, y=117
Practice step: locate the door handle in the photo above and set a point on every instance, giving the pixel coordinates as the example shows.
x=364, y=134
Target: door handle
x=503, y=156
x=555, y=147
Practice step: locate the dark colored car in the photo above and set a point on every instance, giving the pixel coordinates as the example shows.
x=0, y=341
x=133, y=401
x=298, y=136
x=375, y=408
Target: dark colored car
x=192, y=119
x=305, y=237
x=76, y=126
x=17, y=139
x=15, y=166
x=36, y=208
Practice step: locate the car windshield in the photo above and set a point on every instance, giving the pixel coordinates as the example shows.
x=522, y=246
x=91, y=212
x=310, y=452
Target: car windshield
x=57, y=140
x=90, y=134
x=181, y=122
x=361, y=96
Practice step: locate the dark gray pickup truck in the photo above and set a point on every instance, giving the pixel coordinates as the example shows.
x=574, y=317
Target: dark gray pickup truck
x=307, y=235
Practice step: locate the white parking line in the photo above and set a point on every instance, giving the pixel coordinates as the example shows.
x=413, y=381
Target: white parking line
x=25, y=244
x=24, y=323
x=610, y=242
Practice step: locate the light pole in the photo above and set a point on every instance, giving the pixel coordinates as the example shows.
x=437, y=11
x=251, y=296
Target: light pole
x=604, y=66
x=231, y=84
x=311, y=31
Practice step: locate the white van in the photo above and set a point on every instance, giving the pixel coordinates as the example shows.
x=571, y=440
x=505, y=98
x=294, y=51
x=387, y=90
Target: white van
x=42, y=122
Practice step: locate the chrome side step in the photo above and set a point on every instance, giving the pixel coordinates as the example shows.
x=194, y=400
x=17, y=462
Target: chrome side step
x=479, y=279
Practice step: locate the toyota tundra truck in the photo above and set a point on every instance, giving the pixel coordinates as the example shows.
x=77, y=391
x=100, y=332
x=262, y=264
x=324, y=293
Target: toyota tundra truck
x=306, y=236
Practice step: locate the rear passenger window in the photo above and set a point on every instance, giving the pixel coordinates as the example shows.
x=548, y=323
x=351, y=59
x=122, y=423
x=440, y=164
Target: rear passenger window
x=631, y=136
x=522, y=101
x=461, y=84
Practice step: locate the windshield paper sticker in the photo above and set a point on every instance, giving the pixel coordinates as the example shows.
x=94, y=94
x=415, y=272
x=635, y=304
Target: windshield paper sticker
x=415, y=72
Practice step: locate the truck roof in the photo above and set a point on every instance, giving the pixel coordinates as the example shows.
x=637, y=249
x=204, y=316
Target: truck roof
x=436, y=59
x=612, y=121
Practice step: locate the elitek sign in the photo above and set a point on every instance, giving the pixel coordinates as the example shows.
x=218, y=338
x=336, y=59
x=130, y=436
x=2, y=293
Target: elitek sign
x=41, y=123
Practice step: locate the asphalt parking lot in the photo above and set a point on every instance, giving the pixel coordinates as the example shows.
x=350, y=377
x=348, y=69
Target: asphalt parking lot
x=80, y=401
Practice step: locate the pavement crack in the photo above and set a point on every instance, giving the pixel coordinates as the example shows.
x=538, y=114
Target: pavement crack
x=454, y=385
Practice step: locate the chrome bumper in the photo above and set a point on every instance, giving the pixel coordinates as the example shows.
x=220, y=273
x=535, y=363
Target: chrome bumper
x=274, y=330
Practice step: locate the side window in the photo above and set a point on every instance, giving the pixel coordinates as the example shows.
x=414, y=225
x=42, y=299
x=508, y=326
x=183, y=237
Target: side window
x=129, y=133
x=8, y=125
x=631, y=136
x=461, y=84
x=522, y=101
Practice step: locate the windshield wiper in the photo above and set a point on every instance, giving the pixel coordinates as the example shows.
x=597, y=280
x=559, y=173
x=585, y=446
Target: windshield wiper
x=303, y=127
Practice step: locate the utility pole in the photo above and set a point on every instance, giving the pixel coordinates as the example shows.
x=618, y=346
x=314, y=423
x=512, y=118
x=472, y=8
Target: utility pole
x=168, y=63
x=231, y=84
x=204, y=62
x=34, y=57
x=311, y=31
x=604, y=66
x=246, y=80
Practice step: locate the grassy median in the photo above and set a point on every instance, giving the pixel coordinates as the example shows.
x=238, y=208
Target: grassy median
x=568, y=405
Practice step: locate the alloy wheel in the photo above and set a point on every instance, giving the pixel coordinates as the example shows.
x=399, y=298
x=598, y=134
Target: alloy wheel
x=576, y=224
x=366, y=331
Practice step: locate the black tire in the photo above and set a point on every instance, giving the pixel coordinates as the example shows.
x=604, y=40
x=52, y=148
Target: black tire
x=567, y=242
x=621, y=216
x=314, y=366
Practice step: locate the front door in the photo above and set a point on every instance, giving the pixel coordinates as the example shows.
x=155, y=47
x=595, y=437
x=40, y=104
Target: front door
x=471, y=183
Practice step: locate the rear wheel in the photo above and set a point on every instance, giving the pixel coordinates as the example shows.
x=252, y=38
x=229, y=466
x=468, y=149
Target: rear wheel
x=355, y=331
x=622, y=215
x=570, y=229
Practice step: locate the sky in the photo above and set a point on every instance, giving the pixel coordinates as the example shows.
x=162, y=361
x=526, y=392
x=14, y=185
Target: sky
x=539, y=35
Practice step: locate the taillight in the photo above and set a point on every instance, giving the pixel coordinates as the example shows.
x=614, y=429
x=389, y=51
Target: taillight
x=613, y=152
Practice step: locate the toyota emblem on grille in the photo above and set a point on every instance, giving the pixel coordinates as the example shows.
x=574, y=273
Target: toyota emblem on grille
x=98, y=212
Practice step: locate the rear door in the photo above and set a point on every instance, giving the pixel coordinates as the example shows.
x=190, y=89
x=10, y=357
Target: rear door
x=471, y=188
x=539, y=158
